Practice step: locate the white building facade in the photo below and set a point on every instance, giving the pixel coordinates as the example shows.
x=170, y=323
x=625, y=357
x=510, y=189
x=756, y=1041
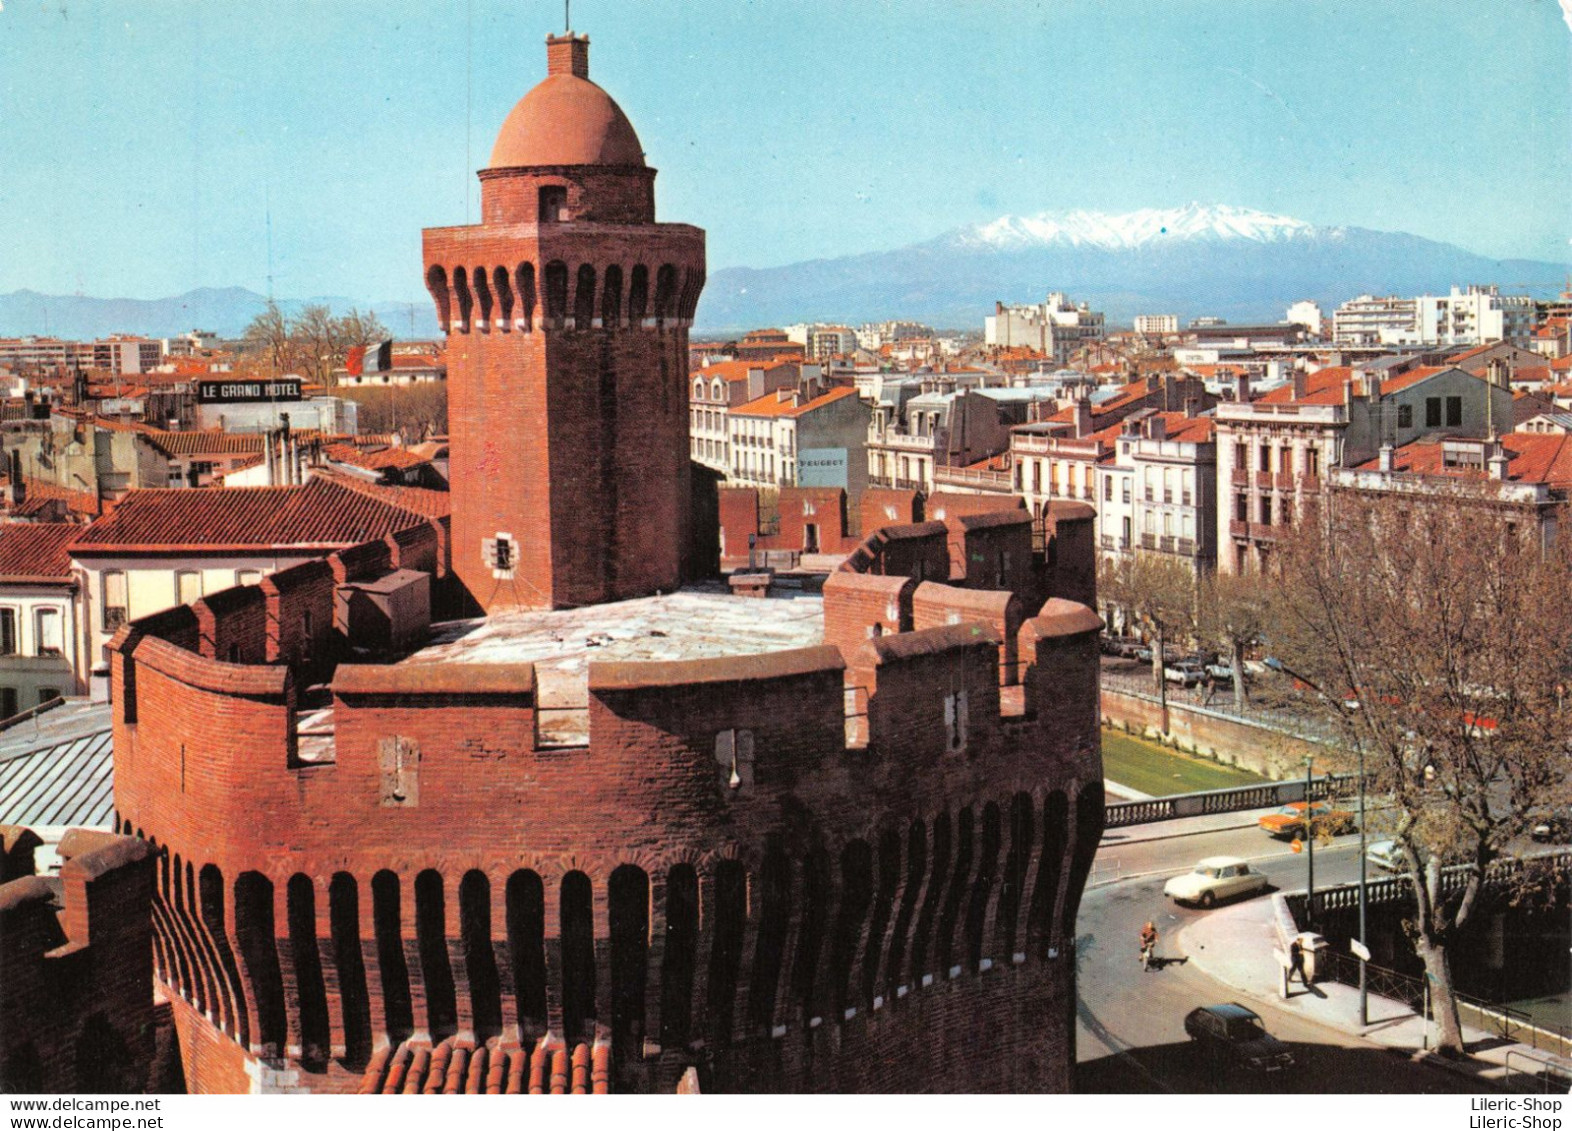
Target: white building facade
x=1055, y=327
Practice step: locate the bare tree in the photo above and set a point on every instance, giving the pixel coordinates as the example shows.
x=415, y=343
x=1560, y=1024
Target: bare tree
x=312, y=343
x=1158, y=592
x=414, y=411
x=1233, y=614
x=1438, y=635
x=354, y=330
x=314, y=334
x=269, y=333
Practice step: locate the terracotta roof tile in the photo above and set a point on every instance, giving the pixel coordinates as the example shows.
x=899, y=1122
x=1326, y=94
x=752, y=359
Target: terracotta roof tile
x=1535, y=457
x=40, y=492
x=772, y=405
x=420, y=500
x=377, y=459
x=321, y=514
x=208, y=443
x=37, y=549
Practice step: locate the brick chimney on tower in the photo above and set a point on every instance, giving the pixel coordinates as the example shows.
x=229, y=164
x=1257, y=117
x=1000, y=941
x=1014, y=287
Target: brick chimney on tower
x=567, y=55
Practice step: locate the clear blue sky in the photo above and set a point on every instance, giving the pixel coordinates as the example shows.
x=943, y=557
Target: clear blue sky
x=141, y=144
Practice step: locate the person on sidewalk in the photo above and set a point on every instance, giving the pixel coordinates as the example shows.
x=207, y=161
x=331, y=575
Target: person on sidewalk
x=1296, y=963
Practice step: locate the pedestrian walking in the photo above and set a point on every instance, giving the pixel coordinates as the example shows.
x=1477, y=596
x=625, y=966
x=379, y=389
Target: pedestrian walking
x=1296, y=963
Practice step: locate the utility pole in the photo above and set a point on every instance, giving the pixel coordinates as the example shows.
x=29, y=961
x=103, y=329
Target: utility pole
x=1309, y=844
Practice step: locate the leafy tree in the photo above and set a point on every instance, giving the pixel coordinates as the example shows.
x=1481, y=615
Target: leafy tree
x=1439, y=636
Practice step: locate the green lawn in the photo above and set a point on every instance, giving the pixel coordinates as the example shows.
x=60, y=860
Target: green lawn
x=1155, y=770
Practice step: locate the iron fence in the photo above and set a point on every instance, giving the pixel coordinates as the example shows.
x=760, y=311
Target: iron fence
x=1499, y=1021
x=1218, y=700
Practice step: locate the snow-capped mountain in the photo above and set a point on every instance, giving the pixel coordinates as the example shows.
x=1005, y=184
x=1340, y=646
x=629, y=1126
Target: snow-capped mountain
x=1120, y=230
x=1237, y=263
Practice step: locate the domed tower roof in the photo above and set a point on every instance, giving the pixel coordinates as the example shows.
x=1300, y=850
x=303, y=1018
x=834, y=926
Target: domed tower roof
x=566, y=119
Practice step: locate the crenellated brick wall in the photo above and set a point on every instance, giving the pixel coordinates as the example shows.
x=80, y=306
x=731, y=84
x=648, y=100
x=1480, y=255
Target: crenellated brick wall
x=76, y=951
x=776, y=868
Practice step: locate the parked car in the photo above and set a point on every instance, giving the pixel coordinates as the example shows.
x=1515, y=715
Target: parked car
x=1144, y=654
x=1216, y=877
x=1289, y=821
x=1186, y=673
x=1385, y=854
x=1231, y=1034
x=1221, y=672
x=1124, y=646
x=1556, y=828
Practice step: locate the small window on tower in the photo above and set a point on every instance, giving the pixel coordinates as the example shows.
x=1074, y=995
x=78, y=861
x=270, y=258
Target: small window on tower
x=553, y=204
x=955, y=720
x=501, y=554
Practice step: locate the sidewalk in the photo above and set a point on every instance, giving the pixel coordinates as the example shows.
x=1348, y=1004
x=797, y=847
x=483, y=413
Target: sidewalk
x=1237, y=945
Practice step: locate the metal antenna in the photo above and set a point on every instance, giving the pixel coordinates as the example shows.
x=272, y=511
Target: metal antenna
x=567, y=15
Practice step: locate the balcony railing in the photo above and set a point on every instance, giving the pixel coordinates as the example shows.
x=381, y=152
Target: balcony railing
x=895, y=482
x=1239, y=528
x=1168, y=496
x=1151, y=496
x=1241, y=477
x=1148, y=541
x=1284, y=480
x=1186, y=546
x=1166, y=543
x=984, y=478
x=1185, y=499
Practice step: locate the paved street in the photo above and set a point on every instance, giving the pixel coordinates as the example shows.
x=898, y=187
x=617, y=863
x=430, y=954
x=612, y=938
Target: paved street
x=1130, y=1030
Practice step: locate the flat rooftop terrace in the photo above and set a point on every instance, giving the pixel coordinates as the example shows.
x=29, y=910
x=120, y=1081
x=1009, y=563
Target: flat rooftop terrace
x=694, y=623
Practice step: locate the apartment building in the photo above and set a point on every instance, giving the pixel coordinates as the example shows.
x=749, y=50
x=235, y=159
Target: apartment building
x=1466, y=316
x=119, y=354
x=1274, y=452
x=1054, y=328
x=1526, y=476
x=1156, y=324
x=39, y=630
x=788, y=439
x=715, y=390
x=820, y=342
x=1172, y=483
x=947, y=426
x=872, y=335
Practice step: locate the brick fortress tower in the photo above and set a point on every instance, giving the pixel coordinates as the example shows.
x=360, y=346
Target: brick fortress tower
x=567, y=311
x=830, y=842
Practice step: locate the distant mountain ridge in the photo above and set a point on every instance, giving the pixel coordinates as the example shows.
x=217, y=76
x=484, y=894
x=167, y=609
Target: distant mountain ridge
x=226, y=311
x=1117, y=231
x=1237, y=263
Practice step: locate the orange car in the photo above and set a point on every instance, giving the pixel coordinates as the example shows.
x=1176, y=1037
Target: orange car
x=1289, y=821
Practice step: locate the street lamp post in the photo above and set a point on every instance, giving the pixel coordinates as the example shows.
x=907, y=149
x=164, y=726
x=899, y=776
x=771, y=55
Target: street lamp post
x=1364, y=995
x=1364, y=948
